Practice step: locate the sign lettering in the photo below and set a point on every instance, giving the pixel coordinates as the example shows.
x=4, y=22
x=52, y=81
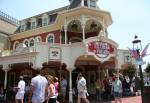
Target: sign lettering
x=100, y=48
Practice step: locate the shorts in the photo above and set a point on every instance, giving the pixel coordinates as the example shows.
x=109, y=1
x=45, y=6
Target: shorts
x=82, y=94
x=117, y=94
x=19, y=96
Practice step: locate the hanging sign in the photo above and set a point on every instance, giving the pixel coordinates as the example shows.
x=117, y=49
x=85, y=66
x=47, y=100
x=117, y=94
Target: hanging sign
x=55, y=53
x=100, y=49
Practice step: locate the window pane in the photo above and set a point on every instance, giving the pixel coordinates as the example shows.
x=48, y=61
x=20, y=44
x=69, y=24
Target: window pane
x=50, y=39
x=32, y=42
x=93, y=4
x=53, y=18
x=22, y=28
x=16, y=45
x=33, y=25
x=26, y=43
x=45, y=22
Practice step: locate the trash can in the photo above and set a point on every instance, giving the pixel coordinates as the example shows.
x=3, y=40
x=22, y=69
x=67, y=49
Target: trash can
x=146, y=94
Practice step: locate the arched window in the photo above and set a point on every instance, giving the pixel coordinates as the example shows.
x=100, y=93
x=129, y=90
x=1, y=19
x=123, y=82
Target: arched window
x=38, y=39
x=15, y=45
x=26, y=42
x=50, y=38
x=32, y=42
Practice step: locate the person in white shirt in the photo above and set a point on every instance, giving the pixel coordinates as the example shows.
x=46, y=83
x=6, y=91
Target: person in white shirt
x=117, y=89
x=39, y=85
x=82, y=90
x=21, y=90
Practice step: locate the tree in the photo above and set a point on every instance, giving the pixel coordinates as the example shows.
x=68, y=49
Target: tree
x=130, y=70
x=147, y=70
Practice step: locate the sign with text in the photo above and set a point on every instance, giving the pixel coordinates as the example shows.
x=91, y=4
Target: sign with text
x=100, y=49
x=55, y=53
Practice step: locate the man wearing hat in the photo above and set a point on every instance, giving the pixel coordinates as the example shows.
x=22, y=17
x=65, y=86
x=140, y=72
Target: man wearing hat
x=20, y=90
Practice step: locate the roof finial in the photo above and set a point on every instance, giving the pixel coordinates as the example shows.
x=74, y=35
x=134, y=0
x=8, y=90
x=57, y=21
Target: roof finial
x=135, y=37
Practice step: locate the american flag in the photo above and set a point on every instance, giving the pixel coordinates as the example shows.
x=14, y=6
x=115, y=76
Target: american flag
x=144, y=52
x=133, y=53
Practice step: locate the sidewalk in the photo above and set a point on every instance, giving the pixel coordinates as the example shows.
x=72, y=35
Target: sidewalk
x=135, y=99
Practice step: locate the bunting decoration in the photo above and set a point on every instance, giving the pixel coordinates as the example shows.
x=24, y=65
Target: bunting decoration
x=144, y=52
x=133, y=53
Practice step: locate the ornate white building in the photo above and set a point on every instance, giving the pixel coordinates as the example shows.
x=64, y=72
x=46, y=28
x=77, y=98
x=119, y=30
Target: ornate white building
x=64, y=41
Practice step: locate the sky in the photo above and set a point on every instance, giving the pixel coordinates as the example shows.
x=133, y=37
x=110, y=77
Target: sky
x=130, y=17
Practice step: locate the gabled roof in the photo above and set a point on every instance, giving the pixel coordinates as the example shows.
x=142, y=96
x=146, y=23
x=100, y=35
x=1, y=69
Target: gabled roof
x=49, y=12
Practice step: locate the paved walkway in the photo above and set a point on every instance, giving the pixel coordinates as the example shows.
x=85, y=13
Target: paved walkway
x=135, y=99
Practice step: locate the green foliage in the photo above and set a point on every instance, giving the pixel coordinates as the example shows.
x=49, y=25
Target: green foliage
x=130, y=71
x=147, y=70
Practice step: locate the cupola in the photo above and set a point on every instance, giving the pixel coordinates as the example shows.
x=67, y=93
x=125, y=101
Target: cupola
x=86, y=3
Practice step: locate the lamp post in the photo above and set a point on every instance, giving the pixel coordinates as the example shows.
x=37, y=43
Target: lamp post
x=138, y=47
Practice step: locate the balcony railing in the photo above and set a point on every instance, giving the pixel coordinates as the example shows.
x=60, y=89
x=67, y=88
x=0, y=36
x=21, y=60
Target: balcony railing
x=9, y=19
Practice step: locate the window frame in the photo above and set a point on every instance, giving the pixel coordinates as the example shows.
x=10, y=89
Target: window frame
x=27, y=41
x=22, y=27
x=14, y=45
x=33, y=26
x=44, y=21
x=49, y=36
x=33, y=42
x=36, y=38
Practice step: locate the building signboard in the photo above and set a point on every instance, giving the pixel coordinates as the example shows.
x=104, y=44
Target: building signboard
x=54, y=53
x=100, y=49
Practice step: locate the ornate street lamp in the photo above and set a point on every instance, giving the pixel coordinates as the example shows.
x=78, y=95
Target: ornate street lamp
x=138, y=47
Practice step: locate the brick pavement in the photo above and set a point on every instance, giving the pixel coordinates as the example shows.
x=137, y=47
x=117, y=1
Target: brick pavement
x=135, y=99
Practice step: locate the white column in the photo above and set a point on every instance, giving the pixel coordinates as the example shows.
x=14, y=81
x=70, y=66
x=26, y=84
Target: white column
x=65, y=29
x=88, y=3
x=60, y=38
x=83, y=31
x=5, y=68
x=104, y=33
x=82, y=3
x=70, y=87
x=5, y=81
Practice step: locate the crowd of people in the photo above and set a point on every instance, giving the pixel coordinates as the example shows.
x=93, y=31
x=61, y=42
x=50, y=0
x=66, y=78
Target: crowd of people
x=46, y=89
x=115, y=87
x=49, y=89
x=41, y=89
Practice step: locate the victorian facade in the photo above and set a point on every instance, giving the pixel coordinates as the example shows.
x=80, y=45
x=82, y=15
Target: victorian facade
x=64, y=41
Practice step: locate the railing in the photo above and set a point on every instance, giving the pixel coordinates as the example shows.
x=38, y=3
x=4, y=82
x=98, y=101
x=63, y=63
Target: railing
x=9, y=19
x=19, y=51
